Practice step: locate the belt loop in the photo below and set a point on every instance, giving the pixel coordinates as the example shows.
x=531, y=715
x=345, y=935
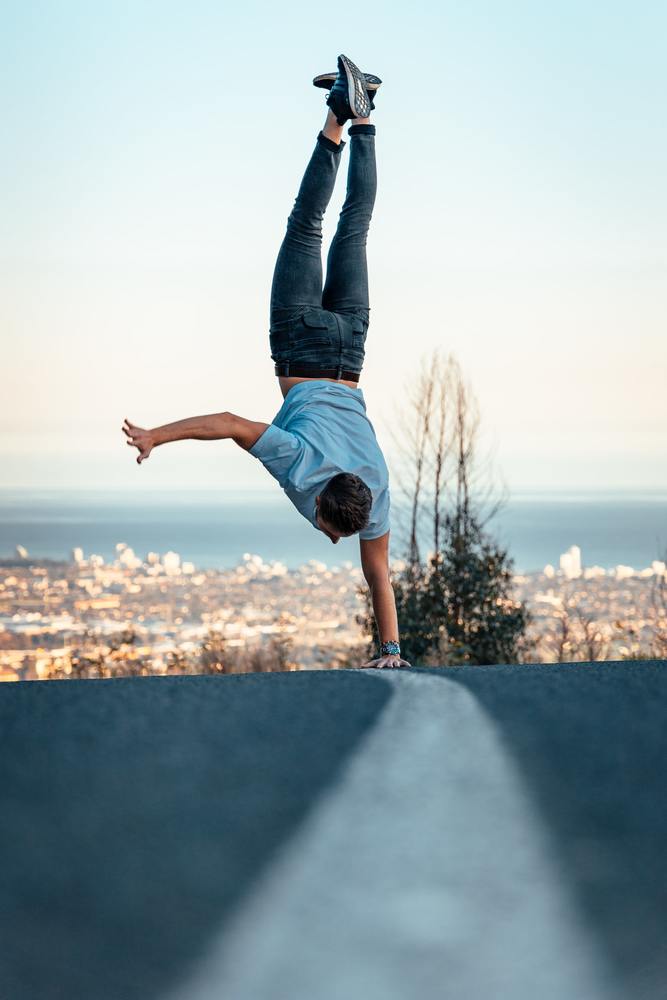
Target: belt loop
x=339, y=372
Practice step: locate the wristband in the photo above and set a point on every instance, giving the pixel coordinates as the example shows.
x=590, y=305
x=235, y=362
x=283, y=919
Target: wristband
x=390, y=648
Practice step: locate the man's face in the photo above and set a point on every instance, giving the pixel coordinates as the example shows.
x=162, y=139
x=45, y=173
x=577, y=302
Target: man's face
x=330, y=532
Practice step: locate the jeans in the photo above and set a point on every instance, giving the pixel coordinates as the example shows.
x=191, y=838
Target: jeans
x=311, y=326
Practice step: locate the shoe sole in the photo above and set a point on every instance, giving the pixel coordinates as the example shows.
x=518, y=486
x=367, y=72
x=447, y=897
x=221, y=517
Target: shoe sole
x=326, y=80
x=356, y=89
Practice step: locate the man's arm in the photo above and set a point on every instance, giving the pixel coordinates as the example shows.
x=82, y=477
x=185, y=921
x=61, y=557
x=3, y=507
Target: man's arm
x=375, y=565
x=211, y=427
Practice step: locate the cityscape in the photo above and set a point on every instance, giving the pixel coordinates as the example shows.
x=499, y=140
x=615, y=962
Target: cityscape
x=87, y=617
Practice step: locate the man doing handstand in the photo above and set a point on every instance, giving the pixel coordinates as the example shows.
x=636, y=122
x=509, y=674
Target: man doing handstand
x=321, y=446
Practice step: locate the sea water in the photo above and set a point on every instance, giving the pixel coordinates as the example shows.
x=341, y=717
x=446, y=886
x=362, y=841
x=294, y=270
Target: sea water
x=215, y=529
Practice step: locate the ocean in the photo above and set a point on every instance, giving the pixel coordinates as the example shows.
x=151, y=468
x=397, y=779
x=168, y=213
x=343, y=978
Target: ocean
x=214, y=529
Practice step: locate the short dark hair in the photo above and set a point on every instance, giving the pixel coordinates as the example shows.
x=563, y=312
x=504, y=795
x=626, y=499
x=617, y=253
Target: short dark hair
x=345, y=503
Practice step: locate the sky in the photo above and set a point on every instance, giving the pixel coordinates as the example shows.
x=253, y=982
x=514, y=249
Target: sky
x=152, y=153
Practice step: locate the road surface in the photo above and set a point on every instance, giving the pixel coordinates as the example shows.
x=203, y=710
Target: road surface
x=466, y=832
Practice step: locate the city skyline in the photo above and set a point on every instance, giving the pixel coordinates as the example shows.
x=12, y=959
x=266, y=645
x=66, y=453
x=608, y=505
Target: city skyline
x=519, y=224
x=156, y=614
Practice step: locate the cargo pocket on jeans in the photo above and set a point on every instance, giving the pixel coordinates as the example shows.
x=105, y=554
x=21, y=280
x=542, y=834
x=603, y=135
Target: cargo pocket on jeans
x=359, y=328
x=311, y=330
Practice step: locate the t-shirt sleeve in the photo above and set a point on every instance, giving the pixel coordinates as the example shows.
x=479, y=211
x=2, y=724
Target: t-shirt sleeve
x=379, y=520
x=277, y=450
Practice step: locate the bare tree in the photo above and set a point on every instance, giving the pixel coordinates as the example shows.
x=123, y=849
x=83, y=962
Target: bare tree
x=412, y=446
x=457, y=603
x=441, y=449
x=214, y=657
x=281, y=648
x=578, y=634
x=593, y=642
x=435, y=442
x=565, y=643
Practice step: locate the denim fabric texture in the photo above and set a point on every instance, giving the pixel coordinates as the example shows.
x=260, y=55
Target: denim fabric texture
x=317, y=326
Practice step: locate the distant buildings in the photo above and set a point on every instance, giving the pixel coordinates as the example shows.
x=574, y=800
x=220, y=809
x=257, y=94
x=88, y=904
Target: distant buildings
x=570, y=563
x=171, y=562
x=126, y=556
x=55, y=614
x=570, y=568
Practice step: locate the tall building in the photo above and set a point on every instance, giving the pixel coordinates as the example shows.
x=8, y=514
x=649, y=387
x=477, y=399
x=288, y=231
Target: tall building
x=570, y=562
x=127, y=558
x=171, y=562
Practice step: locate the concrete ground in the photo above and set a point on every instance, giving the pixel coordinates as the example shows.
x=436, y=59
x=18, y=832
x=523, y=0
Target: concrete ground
x=477, y=833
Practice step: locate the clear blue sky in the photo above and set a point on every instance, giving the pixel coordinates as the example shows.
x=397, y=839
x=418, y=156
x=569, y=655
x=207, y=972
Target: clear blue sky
x=152, y=152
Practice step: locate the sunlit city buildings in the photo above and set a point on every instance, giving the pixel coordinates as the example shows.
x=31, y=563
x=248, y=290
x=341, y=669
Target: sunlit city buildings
x=160, y=614
x=570, y=563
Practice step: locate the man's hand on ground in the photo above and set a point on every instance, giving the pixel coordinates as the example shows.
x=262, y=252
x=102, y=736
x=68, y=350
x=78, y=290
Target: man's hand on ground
x=140, y=438
x=387, y=661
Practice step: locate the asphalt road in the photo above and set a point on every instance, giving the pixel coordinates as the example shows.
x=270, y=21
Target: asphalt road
x=494, y=832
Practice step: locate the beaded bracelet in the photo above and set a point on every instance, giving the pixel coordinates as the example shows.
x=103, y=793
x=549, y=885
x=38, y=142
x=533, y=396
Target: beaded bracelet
x=390, y=648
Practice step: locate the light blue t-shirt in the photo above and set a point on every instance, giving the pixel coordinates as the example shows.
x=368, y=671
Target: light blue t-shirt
x=320, y=430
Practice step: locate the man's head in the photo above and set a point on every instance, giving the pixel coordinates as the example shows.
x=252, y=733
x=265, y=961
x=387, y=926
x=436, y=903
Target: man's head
x=344, y=506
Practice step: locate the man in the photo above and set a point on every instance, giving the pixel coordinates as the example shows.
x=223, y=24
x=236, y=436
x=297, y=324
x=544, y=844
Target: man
x=321, y=446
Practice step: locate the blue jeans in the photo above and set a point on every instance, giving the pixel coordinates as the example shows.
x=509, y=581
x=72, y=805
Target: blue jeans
x=311, y=326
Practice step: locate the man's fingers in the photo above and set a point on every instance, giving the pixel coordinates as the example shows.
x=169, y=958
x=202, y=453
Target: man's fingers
x=382, y=661
x=143, y=451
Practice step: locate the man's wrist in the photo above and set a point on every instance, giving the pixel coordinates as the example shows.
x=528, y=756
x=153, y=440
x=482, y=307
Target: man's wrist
x=390, y=648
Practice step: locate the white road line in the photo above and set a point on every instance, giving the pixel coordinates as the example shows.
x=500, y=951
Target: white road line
x=423, y=873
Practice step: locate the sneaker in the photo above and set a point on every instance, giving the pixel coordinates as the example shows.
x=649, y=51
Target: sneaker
x=372, y=83
x=348, y=97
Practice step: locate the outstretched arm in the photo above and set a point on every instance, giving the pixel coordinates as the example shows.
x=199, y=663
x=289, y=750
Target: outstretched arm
x=375, y=565
x=212, y=427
